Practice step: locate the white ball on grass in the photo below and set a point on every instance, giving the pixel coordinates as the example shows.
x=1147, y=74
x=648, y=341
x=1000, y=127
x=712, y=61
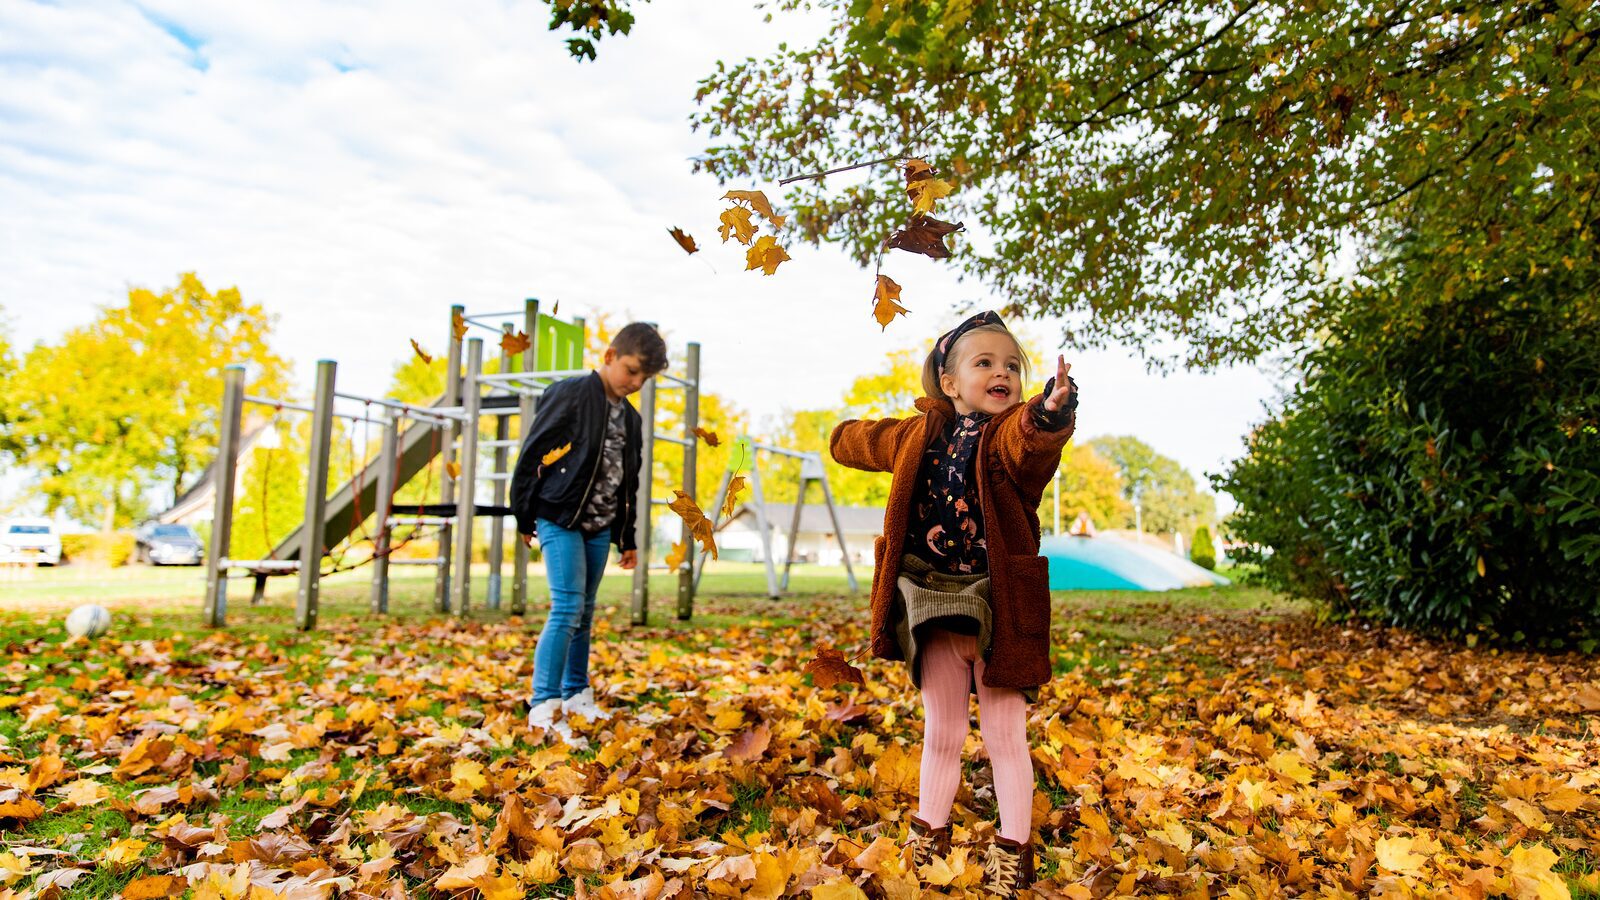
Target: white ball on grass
x=88, y=621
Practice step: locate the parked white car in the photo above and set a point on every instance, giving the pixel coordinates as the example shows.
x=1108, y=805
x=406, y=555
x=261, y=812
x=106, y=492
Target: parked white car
x=30, y=540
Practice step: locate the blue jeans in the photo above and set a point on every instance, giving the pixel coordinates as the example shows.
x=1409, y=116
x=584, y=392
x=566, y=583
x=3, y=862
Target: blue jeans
x=573, y=564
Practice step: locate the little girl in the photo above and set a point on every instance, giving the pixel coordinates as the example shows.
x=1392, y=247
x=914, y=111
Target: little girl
x=960, y=592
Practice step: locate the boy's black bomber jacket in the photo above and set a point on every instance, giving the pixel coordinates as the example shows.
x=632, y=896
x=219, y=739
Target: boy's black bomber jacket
x=574, y=410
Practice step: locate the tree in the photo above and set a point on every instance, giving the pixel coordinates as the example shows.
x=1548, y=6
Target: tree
x=1201, y=551
x=1442, y=475
x=133, y=399
x=1183, y=170
x=1089, y=484
x=1162, y=490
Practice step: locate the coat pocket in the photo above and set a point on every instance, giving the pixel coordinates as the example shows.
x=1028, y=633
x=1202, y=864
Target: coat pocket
x=1029, y=587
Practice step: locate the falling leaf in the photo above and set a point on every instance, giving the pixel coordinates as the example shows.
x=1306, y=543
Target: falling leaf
x=765, y=255
x=736, y=220
x=735, y=486
x=829, y=667
x=557, y=453
x=699, y=525
x=454, y=468
x=710, y=437
x=514, y=343
x=684, y=240
x=421, y=353
x=886, y=301
x=922, y=187
x=555, y=308
x=458, y=325
x=925, y=235
x=758, y=202
x=676, y=556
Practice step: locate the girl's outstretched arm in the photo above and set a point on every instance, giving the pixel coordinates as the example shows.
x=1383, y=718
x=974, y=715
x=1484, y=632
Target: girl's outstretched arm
x=1029, y=445
x=870, y=444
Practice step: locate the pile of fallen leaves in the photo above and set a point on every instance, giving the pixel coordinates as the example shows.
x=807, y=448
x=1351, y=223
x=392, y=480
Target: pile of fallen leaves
x=1240, y=755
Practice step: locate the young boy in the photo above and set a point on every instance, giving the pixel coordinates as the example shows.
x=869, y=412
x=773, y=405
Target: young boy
x=578, y=505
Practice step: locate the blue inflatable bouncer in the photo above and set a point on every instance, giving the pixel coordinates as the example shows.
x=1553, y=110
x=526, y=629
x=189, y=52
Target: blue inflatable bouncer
x=1109, y=563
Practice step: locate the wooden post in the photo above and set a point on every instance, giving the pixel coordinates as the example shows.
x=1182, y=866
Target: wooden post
x=760, y=506
x=794, y=526
x=466, y=495
x=525, y=409
x=641, y=532
x=215, y=610
x=385, y=508
x=447, y=455
x=691, y=455
x=311, y=548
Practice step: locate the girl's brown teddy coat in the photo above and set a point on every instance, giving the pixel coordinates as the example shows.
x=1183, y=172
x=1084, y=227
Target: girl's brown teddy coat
x=1015, y=462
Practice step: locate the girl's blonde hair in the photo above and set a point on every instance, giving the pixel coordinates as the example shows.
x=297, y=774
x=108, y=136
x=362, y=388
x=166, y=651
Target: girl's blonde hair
x=930, y=366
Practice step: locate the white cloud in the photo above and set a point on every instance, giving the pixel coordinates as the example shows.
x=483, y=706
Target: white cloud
x=359, y=167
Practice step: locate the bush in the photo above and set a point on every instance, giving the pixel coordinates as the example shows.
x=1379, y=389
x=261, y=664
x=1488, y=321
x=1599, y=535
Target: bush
x=112, y=550
x=1439, y=471
x=1203, y=553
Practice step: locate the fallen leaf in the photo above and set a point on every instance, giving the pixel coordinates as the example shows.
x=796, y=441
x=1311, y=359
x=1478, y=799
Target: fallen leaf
x=829, y=667
x=421, y=353
x=750, y=745
x=553, y=455
x=155, y=886
x=515, y=342
x=736, y=221
x=925, y=235
x=766, y=255
x=710, y=437
x=886, y=301
x=758, y=202
x=466, y=874
x=684, y=240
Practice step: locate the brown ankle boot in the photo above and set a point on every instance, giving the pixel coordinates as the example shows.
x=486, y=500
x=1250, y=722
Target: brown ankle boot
x=926, y=841
x=1008, y=867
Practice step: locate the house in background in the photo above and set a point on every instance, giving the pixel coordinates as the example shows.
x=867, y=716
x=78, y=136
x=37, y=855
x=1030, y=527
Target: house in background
x=739, y=538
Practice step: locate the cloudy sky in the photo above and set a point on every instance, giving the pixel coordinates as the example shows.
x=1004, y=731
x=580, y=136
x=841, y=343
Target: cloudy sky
x=359, y=167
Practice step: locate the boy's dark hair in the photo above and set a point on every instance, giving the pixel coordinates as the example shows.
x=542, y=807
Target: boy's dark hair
x=642, y=340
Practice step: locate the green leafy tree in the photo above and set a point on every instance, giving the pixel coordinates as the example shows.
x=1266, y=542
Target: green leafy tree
x=1182, y=170
x=1165, y=492
x=132, y=399
x=1089, y=484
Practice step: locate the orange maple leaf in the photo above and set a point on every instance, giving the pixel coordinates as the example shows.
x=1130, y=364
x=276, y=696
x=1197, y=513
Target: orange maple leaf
x=758, y=202
x=458, y=325
x=684, y=240
x=750, y=745
x=676, y=556
x=829, y=667
x=699, y=525
x=515, y=342
x=886, y=301
x=421, y=353
x=735, y=485
x=556, y=454
x=765, y=255
x=710, y=437
x=736, y=219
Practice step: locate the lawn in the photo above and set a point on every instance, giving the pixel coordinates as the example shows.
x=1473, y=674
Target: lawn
x=1216, y=742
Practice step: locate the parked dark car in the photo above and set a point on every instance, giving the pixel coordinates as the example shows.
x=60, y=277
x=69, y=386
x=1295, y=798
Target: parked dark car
x=168, y=545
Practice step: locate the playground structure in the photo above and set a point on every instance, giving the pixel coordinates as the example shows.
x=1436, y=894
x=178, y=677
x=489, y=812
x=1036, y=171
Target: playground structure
x=414, y=436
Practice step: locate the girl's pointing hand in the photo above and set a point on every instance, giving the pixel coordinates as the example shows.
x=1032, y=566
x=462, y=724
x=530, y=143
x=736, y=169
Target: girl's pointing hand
x=1058, y=397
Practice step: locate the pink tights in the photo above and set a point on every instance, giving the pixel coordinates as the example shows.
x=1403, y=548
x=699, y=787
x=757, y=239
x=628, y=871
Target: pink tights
x=949, y=664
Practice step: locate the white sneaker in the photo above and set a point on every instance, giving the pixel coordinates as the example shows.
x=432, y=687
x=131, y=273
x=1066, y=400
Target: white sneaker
x=543, y=713
x=582, y=704
x=563, y=730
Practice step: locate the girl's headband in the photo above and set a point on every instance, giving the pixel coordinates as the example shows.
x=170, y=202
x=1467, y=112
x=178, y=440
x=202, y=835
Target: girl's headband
x=941, y=347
